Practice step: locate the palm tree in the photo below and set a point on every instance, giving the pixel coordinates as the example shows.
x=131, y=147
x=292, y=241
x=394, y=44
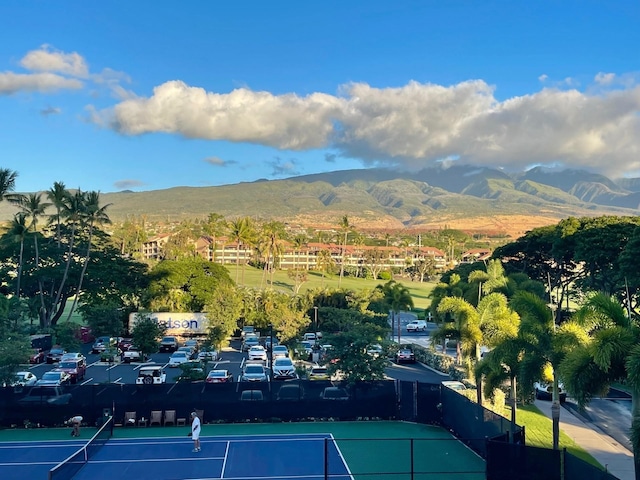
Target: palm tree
x=7, y=183
x=93, y=215
x=345, y=227
x=299, y=241
x=324, y=260
x=57, y=195
x=72, y=211
x=544, y=345
x=273, y=233
x=491, y=280
x=33, y=207
x=215, y=227
x=241, y=232
x=19, y=230
x=396, y=298
x=611, y=353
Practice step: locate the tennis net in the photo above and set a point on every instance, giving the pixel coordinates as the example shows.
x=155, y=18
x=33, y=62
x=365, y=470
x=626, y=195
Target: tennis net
x=66, y=469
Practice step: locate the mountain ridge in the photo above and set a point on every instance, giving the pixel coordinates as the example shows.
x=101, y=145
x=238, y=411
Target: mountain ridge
x=480, y=198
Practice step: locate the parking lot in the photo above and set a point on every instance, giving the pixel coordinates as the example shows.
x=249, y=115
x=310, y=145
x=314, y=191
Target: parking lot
x=230, y=358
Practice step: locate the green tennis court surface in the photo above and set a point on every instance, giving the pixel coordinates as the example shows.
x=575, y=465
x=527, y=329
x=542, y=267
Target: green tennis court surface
x=376, y=450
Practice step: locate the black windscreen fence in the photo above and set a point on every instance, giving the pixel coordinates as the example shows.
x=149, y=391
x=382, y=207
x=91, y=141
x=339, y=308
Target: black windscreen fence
x=493, y=437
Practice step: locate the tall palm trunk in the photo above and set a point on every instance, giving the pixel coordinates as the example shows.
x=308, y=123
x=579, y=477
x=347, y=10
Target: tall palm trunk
x=82, y=273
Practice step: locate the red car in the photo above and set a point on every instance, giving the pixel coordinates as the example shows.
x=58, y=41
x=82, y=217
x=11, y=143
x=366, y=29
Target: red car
x=37, y=356
x=219, y=376
x=75, y=368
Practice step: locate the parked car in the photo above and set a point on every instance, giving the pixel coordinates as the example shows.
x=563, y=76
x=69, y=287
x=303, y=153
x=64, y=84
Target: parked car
x=417, y=326
x=54, y=378
x=290, y=392
x=73, y=356
x=110, y=355
x=310, y=337
x=269, y=342
x=102, y=343
x=219, y=376
x=318, y=373
x=405, y=355
x=283, y=369
x=247, y=330
x=250, y=341
x=193, y=344
x=257, y=352
x=251, y=396
x=544, y=391
x=304, y=350
x=74, y=368
x=178, y=358
x=37, y=356
x=51, y=395
x=254, y=372
x=334, y=393
x=208, y=355
x=55, y=354
x=150, y=375
x=191, y=353
x=279, y=351
x=454, y=385
x=169, y=344
x=132, y=355
x=23, y=379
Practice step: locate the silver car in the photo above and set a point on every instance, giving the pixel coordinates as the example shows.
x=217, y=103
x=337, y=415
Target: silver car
x=254, y=373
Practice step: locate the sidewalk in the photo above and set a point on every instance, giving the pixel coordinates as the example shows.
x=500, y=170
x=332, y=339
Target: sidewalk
x=616, y=458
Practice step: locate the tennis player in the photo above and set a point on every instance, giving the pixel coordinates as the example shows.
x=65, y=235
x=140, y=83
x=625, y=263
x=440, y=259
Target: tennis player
x=195, y=431
x=75, y=422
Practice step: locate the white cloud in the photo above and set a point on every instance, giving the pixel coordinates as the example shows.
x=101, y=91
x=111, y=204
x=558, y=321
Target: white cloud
x=47, y=59
x=11, y=82
x=543, y=78
x=413, y=126
x=604, y=78
x=285, y=121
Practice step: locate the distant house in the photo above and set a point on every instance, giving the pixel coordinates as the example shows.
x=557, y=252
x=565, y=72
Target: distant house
x=476, y=255
x=152, y=248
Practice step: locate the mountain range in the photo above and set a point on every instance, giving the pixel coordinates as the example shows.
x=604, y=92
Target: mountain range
x=471, y=198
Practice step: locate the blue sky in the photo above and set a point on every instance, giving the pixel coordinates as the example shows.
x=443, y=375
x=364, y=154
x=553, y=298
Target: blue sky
x=148, y=95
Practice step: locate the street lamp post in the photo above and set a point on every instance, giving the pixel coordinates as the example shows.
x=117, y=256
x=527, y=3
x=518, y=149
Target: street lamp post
x=271, y=350
x=315, y=316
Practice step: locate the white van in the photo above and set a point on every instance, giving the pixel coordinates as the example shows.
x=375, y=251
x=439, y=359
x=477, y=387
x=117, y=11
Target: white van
x=417, y=326
x=310, y=337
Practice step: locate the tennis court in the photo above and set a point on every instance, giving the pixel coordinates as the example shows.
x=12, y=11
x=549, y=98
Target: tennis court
x=297, y=450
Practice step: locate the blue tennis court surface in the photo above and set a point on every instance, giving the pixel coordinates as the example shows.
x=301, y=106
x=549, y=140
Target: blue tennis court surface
x=283, y=457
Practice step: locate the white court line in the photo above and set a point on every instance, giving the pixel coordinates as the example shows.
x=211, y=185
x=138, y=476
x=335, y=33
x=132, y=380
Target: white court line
x=224, y=462
x=86, y=381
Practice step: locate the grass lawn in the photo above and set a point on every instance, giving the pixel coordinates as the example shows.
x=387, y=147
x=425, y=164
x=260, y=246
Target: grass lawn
x=539, y=432
x=253, y=277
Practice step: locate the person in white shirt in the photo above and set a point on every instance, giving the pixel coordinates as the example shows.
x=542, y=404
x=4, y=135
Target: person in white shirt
x=195, y=431
x=75, y=422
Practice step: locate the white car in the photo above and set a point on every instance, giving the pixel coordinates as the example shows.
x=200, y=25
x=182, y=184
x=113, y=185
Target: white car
x=178, y=358
x=151, y=375
x=208, y=355
x=283, y=369
x=280, y=351
x=24, y=379
x=258, y=353
x=375, y=350
x=417, y=326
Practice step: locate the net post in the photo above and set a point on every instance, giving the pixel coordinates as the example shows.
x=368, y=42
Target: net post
x=411, y=446
x=326, y=459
